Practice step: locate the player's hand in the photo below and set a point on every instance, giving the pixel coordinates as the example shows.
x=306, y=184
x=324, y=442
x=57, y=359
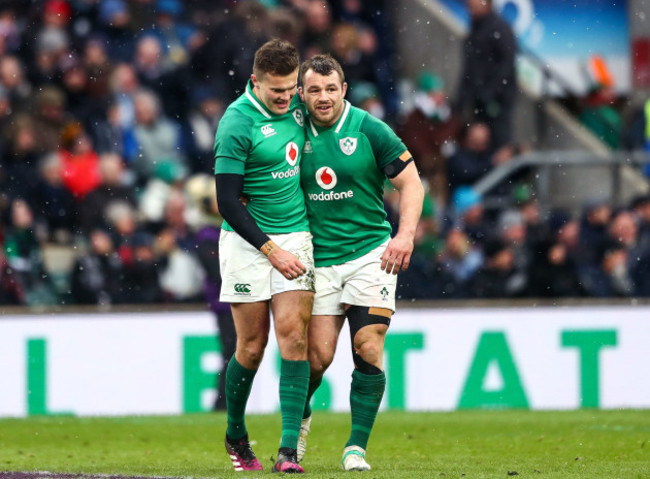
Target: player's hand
x=286, y=263
x=397, y=255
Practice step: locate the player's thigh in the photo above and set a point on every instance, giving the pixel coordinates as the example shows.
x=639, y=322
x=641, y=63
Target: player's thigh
x=245, y=271
x=291, y=312
x=366, y=284
x=301, y=246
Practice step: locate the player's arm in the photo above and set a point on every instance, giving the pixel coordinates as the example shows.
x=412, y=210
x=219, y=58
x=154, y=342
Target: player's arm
x=229, y=191
x=407, y=182
x=397, y=164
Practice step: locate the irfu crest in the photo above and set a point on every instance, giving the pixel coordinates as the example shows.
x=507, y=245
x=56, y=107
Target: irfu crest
x=348, y=145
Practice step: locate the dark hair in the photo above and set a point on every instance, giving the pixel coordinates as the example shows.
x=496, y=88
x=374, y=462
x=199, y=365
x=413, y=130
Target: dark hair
x=276, y=56
x=323, y=65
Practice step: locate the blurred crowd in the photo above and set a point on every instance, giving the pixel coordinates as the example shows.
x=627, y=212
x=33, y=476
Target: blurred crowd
x=108, y=111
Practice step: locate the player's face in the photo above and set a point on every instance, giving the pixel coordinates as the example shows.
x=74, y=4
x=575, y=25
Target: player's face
x=323, y=95
x=276, y=91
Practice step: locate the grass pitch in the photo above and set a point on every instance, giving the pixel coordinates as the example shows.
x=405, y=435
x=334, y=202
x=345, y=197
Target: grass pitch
x=464, y=444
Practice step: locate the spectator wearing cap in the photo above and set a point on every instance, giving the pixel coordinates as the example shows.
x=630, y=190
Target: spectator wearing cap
x=49, y=118
x=468, y=213
x=115, y=21
x=365, y=95
x=430, y=132
x=178, y=38
x=512, y=230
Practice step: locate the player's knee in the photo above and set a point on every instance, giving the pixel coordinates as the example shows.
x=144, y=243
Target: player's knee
x=370, y=351
x=368, y=327
x=320, y=358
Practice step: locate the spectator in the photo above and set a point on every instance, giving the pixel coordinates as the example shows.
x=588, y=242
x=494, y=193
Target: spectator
x=487, y=84
x=498, y=277
x=158, y=138
x=468, y=213
x=113, y=187
x=49, y=118
x=227, y=55
x=611, y=276
x=11, y=291
x=96, y=275
x=79, y=162
x=53, y=203
x=202, y=191
x=640, y=206
x=201, y=127
x=595, y=217
x=473, y=159
x=553, y=273
x=181, y=275
x=600, y=116
x=115, y=18
x=460, y=259
x=14, y=82
x=23, y=251
x=20, y=157
x=430, y=133
x=141, y=281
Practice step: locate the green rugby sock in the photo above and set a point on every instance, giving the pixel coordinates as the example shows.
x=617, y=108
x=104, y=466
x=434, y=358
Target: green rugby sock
x=366, y=393
x=310, y=392
x=294, y=382
x=239, y=382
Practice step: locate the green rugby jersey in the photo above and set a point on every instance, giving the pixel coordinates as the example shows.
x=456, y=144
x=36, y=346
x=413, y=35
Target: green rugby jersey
x=266, y=149
x=343, y=180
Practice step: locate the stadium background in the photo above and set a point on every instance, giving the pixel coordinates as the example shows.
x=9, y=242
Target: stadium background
x=566, y=354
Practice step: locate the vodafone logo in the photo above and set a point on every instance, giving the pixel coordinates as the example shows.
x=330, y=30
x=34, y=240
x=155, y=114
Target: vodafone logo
x=326, y=178
x=292, y=153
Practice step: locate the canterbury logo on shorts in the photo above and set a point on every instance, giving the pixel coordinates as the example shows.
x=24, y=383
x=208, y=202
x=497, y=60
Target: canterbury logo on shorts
x=242, y=288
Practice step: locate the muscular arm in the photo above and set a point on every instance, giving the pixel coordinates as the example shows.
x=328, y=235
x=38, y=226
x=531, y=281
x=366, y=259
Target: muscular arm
x=411, y=196
x=229, y=191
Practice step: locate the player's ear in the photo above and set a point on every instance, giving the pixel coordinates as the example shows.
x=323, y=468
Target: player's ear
x=344, y=89
x=301, y=93
x=254, y=79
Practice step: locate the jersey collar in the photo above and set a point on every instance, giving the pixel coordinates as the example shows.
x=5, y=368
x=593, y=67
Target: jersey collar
x=339, y=123
x=253, y=99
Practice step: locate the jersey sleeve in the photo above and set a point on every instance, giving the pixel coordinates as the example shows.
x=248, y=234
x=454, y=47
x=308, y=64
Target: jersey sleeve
x=386, y=145
x=232, y=143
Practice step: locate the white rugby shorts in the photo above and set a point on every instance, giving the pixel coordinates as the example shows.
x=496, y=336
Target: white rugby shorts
x=360, y=282
x=247, y=275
